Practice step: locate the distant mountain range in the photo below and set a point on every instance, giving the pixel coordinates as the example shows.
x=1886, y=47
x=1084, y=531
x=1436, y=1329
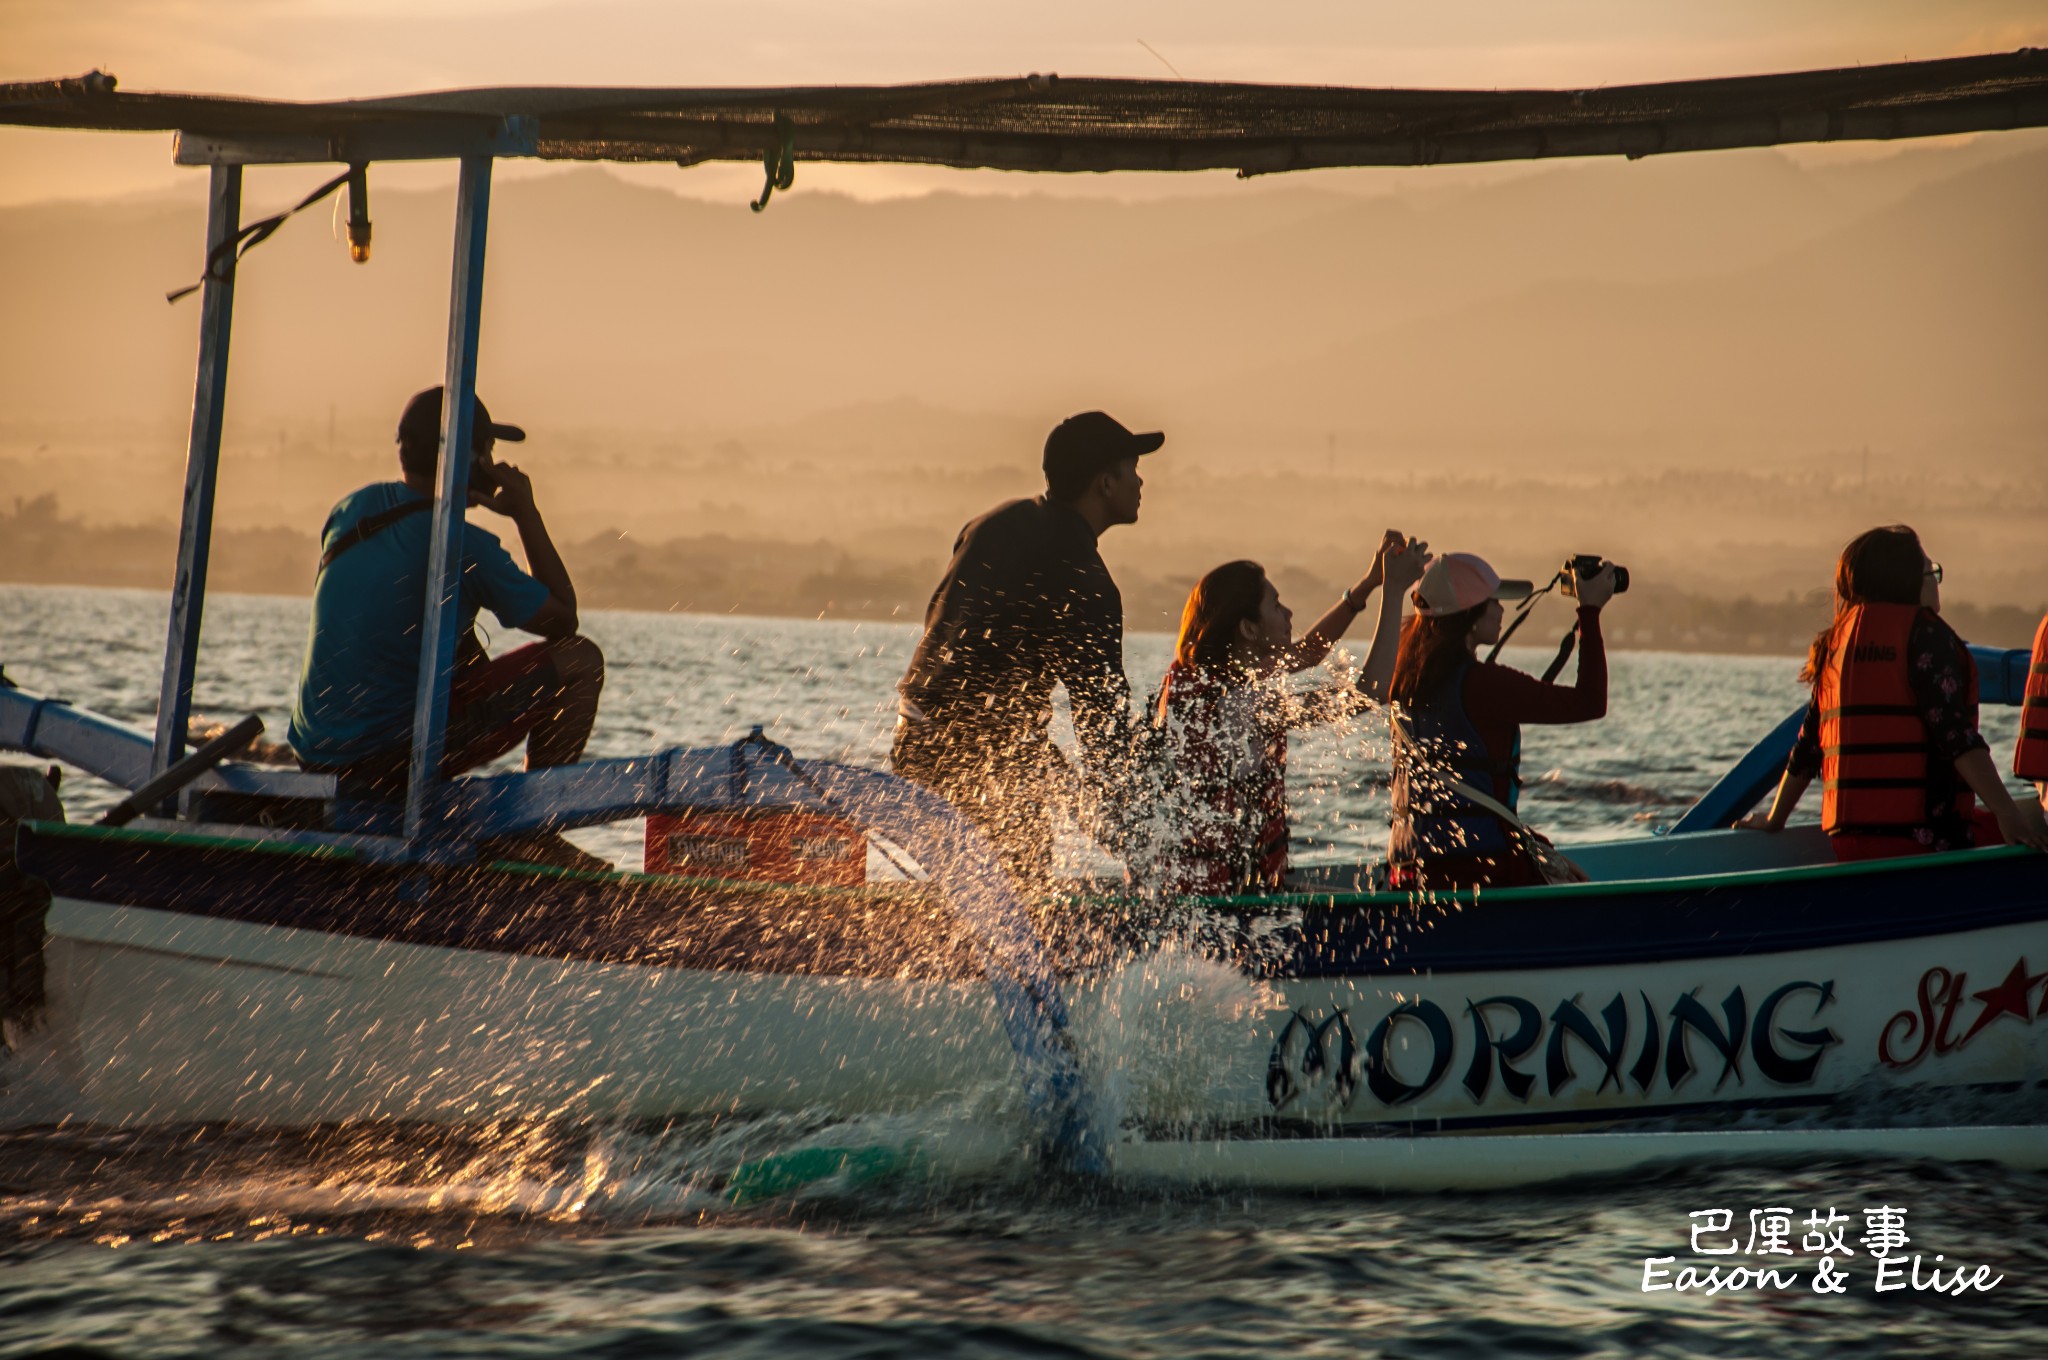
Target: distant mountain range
x=1729, y=310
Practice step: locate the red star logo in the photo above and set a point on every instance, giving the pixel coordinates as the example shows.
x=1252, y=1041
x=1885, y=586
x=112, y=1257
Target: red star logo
x=2007, y=998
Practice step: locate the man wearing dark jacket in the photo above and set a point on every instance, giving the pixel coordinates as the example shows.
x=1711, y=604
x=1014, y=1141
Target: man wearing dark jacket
x=1027, y=604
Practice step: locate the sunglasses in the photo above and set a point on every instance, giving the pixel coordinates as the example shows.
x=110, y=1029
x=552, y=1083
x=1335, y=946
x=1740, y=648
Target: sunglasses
x=1934, y=570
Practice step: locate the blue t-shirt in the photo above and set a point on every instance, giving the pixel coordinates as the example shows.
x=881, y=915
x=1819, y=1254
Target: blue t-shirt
x=362, y=669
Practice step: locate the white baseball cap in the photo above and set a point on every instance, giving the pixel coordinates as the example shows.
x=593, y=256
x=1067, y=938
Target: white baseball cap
x=1456, y=582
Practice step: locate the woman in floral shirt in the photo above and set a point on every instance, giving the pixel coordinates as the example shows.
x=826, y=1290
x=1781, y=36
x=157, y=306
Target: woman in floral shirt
x=1224, y=711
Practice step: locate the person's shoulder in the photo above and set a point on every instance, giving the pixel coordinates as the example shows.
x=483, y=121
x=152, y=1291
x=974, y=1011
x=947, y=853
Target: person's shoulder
x=1010, y=517
x=1477, y=677
x=365, y=501
x=1932, y=627
x=371, y=499
x=1007, y=528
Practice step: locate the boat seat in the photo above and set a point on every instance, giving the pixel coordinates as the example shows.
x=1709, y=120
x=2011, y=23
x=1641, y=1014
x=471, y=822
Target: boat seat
x=256, y=795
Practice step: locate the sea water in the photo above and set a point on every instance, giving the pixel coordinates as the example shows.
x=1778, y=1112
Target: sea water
x=559, y=1239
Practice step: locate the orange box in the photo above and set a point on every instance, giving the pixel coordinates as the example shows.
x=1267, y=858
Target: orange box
x=782, y=846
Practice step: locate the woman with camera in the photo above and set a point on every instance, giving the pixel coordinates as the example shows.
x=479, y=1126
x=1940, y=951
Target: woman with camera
x=1223, y=713
x=1458, y=728
x=1892, y=726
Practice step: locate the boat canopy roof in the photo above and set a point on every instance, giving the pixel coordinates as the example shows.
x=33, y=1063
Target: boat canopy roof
x=1053, y=123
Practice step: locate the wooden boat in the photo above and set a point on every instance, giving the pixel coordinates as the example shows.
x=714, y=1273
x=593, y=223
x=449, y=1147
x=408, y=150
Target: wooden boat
x=251, y=948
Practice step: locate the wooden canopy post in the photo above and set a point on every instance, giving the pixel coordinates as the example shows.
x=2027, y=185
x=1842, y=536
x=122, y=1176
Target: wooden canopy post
x=202, y=466
x=423, y=800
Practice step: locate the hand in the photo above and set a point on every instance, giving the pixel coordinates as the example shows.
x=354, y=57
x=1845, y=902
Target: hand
x=513, y=494
x=1756, y=821
x=1598, y=588
x=1401, y=562
x=2024, y=825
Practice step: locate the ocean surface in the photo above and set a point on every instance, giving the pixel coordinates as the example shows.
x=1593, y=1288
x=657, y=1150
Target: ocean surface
x=575, y=1240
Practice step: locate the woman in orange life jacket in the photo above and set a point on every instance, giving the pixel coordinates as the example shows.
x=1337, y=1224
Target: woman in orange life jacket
x=1459, y=728
x=1224, y=713
x=2030, y=753
x=1892, y=727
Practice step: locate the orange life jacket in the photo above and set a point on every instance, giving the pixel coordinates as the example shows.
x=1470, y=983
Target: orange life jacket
x=1874, y=755
x=2030, y=757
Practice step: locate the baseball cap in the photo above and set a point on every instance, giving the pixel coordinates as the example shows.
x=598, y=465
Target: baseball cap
x=1083, y=445
x=421, y=423
x=1455, y=582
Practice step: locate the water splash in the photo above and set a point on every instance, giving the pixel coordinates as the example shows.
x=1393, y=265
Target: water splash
x=1175, y=1039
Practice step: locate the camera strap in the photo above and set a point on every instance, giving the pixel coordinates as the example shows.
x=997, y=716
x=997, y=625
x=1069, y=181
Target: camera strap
x=1564, y=653
x=1521, y=617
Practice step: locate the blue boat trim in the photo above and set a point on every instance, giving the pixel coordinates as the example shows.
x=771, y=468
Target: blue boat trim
x=906, y=933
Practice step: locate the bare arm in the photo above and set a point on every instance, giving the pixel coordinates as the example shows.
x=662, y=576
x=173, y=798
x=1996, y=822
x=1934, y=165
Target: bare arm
x=1790, y=788
x=513, y=498
x=2019, y=825
x=1395, y=567
x=1400, y=569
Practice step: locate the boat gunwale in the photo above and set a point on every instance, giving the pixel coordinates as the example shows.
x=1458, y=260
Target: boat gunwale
x=1256, y=904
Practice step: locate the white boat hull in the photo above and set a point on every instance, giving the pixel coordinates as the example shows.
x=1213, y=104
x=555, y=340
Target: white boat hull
x=168, y=1017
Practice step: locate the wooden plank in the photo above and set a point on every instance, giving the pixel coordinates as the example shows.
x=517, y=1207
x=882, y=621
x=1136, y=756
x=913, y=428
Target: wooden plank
x=628, y=137
x=424, y=786
x=441, y=139
x=202, y=468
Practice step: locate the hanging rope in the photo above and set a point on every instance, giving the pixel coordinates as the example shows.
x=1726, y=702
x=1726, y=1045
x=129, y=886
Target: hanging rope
x=221, y=258
x=779, y=160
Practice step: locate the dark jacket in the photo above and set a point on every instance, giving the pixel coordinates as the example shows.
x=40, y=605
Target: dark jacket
x=1026, y=604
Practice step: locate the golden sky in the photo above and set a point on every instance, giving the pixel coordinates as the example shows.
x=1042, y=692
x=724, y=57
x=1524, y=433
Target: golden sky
x=314, y=49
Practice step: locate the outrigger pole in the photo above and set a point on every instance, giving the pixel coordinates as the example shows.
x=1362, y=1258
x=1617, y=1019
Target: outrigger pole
x=202, y=467
x=444, y=559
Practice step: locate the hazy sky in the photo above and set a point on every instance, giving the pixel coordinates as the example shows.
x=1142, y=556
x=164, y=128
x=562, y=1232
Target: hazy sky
x=314, y=49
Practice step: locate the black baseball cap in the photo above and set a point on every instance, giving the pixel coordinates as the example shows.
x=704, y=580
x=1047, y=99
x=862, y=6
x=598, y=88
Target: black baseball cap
x=420, y=426
x=1083, y=445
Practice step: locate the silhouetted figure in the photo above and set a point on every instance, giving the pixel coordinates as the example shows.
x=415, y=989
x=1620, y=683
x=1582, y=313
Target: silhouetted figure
x=1027, y=604
x=361, y=673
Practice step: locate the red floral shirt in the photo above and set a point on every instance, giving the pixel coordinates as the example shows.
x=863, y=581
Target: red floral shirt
x=1228, y=745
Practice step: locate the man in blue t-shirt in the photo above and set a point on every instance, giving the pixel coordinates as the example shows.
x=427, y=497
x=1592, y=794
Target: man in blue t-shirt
x=360, y=678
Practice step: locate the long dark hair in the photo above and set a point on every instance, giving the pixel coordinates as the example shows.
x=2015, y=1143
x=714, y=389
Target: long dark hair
x=1432, y=646
x=1885, y=565
x=1219, y=602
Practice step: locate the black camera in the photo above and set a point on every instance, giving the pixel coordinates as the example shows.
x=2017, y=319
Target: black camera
x=1580, y=566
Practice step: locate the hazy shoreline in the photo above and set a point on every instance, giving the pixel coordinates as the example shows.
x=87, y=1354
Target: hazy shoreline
x=774, y=578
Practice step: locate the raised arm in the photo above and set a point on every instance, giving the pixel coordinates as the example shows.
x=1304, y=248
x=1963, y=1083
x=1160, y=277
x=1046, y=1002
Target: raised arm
x=1396, y=566
x=1520, y=698
x=513, y=498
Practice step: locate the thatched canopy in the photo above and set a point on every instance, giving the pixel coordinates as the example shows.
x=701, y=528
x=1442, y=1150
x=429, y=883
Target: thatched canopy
x=1051, y=123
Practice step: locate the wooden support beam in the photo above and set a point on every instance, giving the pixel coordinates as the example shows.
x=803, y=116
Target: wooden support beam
x=433, y=140
x=202, y=469
x=424, y=786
